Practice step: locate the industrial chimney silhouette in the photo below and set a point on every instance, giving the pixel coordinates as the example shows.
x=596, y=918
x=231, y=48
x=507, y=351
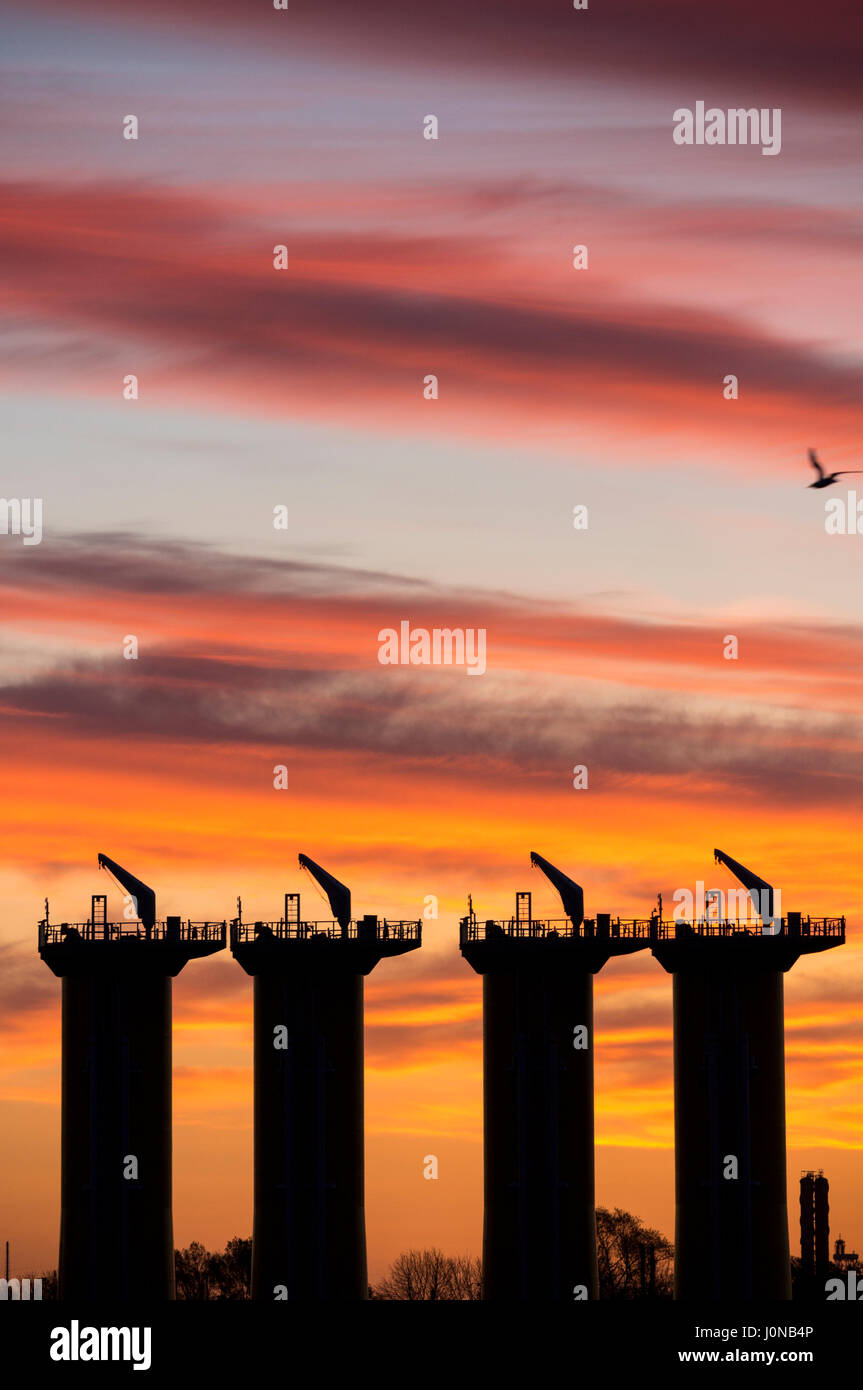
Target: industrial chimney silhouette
x=309, y=1234
x=814, y=1227
x=116, y=1225
x=731, y=1237
x=539, y=1230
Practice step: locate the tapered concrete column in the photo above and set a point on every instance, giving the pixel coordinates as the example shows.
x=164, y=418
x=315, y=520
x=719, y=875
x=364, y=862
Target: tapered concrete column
x=116, y=1225
x=309, y=1232
x=539, y=1238
x=731, y=1223
x=539, y=1228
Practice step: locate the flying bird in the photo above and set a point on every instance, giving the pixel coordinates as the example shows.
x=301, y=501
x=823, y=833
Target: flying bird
x=825, y=479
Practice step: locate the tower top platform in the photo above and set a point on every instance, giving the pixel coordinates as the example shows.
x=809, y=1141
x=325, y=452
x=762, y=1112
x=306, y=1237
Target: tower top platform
x=524, y=941
x=113, y=947
x=744, y=944
x=355, y=945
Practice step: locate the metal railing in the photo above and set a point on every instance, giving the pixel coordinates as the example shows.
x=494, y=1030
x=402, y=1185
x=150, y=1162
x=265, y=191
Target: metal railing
x=59, y=933
x=746, y=926
x=645, y=929
x=471, y=929
x=372, y=930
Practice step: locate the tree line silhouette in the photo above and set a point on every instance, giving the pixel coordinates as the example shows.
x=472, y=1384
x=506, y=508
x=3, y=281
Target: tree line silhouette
x=634, y=1262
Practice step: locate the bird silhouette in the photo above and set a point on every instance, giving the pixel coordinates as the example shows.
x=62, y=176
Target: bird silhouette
x=825, y=479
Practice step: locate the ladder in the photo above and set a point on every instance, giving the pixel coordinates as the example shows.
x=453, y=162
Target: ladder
x=292, y=912
x=522, y=913
x=98, y=914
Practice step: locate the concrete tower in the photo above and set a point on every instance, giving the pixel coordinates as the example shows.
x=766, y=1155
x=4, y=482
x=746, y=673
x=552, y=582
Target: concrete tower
x=539, y=1231
x=116, y=1225
x=309, y=1235
x=731, y=1228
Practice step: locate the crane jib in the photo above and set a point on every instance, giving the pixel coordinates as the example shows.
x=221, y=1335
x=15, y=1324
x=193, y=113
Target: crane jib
x=143, y=896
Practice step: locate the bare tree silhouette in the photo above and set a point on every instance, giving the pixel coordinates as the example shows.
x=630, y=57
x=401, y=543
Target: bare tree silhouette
x=204, y=1274
x=635, y=1261
x=419, y=1275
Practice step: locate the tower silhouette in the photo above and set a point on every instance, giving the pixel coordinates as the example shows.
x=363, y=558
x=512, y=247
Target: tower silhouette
x=539, y=1228
x=116, y=1223
x=731, y=1223
x=309, y=1235
x=814, y=1226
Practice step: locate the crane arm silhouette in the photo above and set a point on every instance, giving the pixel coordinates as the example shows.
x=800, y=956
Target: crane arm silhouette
x=571, y=893
x=750, y=880
x=338, y=896
x=144, y=897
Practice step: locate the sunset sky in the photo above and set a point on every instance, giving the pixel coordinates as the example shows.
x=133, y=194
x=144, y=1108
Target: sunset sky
x=304, y=388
